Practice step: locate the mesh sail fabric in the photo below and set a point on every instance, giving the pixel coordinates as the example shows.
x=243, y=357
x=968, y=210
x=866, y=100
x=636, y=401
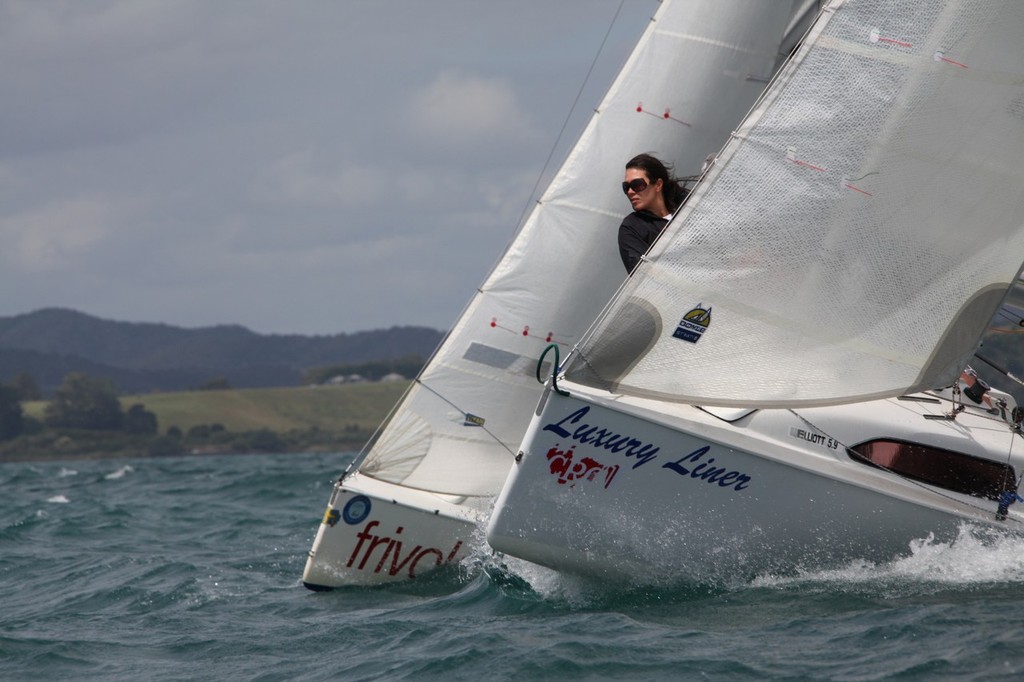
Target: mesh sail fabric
x=857, y=234
x=706, y=63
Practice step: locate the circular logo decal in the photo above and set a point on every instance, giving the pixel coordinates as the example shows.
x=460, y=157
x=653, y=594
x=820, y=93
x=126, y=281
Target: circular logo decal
x=356, y=509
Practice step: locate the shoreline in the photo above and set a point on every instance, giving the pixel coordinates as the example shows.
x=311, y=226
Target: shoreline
x=196, y=452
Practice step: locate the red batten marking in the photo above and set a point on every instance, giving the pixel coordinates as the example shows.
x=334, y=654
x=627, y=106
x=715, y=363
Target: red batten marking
x=858, y=189
x=950, y=61
x=668, y=116
x=893, y=41
x=808, y=165
x=549, y=338
x=495, y=325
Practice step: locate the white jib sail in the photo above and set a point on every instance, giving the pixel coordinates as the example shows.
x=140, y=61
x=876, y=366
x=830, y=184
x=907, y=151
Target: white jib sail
x=693, y=75
x=857, y=234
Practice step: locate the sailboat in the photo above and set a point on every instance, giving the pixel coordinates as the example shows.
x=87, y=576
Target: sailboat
x=417, y=499
x=780, y=385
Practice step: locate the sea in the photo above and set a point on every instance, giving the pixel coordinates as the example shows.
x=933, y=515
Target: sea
x=189, y=569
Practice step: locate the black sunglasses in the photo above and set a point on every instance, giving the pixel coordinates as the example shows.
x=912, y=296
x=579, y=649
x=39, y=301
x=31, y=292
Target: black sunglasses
x=637, y=185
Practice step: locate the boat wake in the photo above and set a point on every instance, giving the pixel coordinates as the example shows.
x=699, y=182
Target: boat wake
x=977, y=556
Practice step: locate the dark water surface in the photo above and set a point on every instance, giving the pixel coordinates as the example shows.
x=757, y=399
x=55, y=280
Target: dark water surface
x=189, y=569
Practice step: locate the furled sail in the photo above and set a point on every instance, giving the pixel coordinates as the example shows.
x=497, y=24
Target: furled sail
x=857, y=233
x=696, y=71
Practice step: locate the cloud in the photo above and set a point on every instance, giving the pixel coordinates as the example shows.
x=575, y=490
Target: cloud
x=466, y=112
x=304, y=179
x=294, y=167
x=57, y=236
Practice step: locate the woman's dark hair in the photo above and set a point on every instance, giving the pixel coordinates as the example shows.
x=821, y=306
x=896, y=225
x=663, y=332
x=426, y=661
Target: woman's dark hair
x=672, y=188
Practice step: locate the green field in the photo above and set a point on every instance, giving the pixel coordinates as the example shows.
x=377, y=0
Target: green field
x=330, y=408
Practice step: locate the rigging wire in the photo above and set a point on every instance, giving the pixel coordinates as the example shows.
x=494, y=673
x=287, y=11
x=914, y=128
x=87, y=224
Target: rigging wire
x=459, y=409
x=355, y=463
x=1008, y=497
x=365, y=452
x=568, y=117
x=540, y=178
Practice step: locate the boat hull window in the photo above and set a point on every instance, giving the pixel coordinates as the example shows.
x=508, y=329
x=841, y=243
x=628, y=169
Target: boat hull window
x=945, y=469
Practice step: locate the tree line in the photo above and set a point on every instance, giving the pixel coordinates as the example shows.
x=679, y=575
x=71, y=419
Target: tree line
x=84, y=417
x=81, y=402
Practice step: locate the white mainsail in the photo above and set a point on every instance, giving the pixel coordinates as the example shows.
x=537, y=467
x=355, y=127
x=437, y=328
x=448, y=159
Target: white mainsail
x=696, y=71
x=857, y=233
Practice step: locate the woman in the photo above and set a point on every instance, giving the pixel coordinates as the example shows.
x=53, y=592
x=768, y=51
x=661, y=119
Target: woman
x=655, y=195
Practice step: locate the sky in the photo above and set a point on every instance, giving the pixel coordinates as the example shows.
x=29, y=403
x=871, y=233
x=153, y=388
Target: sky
x=301, y=167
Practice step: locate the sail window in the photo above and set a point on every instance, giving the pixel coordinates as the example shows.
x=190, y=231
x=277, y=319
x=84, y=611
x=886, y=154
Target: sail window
x=489, y=355
x=945, y=469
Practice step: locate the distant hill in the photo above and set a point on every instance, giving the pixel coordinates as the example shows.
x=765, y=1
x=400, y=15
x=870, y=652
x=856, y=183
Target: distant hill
x=145, y=357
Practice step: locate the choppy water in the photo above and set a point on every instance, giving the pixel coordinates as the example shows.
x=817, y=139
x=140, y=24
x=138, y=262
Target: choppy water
x=189, y=569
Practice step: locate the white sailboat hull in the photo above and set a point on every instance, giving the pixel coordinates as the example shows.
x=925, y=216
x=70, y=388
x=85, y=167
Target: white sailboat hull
x=375, y=532
x=613, y=493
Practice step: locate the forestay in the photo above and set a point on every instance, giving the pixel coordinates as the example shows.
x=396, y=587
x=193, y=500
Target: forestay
x=857, y=234
x=694, y=74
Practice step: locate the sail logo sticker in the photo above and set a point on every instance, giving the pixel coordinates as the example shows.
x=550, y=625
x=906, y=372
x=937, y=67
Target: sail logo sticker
x=356, y=510
x=694, y=324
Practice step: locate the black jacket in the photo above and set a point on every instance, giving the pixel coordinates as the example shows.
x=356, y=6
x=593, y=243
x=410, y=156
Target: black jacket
x=637, y=233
